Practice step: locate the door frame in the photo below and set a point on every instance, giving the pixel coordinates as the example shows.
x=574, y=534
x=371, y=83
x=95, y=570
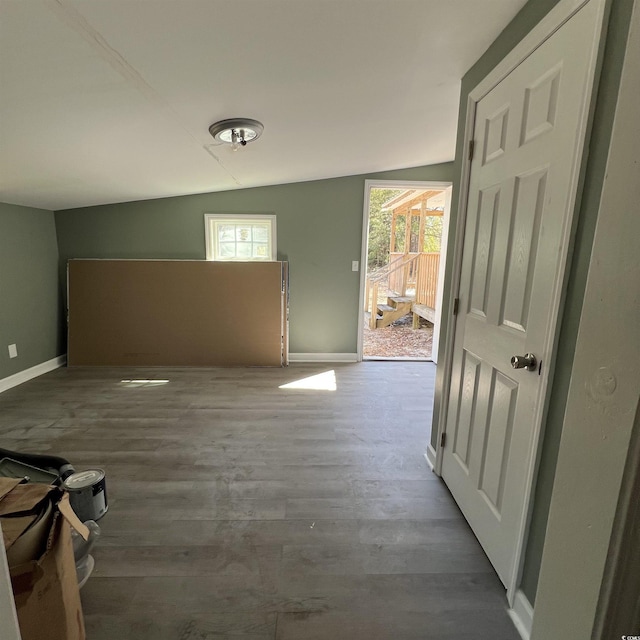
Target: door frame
x=547, y=26
x=600, y=513
x=364, y=252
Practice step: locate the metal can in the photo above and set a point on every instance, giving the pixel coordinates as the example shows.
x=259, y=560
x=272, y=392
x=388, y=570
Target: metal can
x=87, y=494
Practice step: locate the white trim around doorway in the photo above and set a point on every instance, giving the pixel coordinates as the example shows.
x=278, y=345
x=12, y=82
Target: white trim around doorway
x=381, y=184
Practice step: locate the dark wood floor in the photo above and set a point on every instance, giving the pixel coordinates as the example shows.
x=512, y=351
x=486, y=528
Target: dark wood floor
x=242, y=510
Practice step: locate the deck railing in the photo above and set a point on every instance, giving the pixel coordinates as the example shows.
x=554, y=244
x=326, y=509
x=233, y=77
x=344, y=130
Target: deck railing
x=402, y=279
x=427, y=268
x=418, y=271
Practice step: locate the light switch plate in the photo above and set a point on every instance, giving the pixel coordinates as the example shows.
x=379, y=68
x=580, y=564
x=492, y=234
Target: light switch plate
x=13, y=351
x=355, y=265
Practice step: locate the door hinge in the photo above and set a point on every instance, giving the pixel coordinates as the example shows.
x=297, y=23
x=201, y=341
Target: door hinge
x=443, y=439
x=456, y=306
x=472, y=146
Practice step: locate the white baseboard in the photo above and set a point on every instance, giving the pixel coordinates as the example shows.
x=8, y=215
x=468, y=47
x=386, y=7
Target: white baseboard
x=430, y=456
x=522, y=614
x=32, y=372
x=323, y=357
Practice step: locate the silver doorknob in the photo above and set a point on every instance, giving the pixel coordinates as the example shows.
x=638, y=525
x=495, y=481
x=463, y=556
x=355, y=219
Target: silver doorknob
x=527, y=361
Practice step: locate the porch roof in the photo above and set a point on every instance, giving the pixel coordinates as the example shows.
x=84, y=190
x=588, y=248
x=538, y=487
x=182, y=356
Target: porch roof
x=412, y=201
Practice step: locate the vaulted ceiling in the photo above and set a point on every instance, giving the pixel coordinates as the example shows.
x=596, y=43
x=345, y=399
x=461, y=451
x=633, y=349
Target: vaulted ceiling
x=110, y=100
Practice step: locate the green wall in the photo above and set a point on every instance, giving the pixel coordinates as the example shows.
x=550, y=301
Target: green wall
x=30, y=312
x=613, y=54
x=319, y=232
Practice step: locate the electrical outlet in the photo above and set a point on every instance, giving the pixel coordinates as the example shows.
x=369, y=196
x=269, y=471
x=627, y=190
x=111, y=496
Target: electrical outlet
x=13, y=351
x=355, y=265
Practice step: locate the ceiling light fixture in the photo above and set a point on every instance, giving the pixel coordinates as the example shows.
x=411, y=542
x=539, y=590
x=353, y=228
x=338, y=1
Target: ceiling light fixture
x=236, y=131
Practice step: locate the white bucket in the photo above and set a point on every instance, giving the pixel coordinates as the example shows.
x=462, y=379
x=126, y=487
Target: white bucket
x=87, y=494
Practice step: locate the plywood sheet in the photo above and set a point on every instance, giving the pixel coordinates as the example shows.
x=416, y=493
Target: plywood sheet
x=176, y=313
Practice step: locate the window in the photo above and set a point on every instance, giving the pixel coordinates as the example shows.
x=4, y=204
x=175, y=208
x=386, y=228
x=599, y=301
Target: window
x=240, y=237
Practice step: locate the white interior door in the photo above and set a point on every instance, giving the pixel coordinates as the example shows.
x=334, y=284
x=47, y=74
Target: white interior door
x=527, y=146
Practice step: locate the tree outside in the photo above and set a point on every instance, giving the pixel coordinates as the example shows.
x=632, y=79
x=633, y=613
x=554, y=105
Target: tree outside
x=379, y=227
x=380, y=230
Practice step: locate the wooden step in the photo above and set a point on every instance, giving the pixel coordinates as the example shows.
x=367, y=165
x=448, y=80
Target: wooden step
x=388, y=314
x=395, y=301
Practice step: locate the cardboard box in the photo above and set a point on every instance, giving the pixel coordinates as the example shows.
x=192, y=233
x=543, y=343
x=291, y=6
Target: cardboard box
x=37, y=521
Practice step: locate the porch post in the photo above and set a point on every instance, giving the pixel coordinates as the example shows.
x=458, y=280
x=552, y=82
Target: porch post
x=392, y=241
x=407, y=231
x=423, y=213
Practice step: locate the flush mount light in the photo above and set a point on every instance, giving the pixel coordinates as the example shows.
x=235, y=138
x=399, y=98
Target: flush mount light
x=236, y=131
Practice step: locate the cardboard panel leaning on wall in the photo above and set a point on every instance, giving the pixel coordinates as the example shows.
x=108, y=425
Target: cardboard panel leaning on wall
x=176, y=313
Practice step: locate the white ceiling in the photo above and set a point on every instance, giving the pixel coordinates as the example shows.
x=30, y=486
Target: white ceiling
x=110, y=100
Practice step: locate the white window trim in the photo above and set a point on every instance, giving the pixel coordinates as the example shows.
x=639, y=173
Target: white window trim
x=211, y=218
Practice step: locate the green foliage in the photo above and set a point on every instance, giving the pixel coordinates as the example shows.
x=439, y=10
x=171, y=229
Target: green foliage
x=380, y=230
x=379, y=227
x=432, y=234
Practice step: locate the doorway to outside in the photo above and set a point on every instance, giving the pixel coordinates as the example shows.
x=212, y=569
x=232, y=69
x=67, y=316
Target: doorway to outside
x=403, y=255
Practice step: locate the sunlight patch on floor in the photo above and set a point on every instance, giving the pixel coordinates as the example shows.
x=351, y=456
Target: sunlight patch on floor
x=325, y=381
x=142, y=383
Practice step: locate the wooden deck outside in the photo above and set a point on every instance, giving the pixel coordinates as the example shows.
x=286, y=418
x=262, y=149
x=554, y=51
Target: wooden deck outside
x=420, y=275
x=408, y=274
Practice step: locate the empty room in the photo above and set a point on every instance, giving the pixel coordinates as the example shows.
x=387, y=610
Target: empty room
x=207, y=208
